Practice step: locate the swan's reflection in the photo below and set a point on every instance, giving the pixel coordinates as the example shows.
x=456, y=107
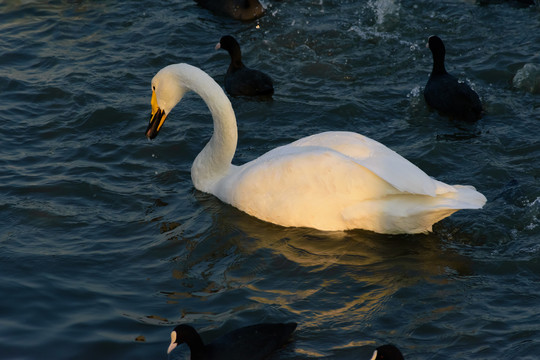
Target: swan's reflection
x=242, y=270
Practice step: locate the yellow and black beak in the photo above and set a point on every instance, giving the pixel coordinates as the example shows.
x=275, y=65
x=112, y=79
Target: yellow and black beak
x=157, y=120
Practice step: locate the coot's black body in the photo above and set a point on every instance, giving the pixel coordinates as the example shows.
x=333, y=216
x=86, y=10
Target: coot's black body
x=241, y=80
x=237, y=9
x=255, y=342
x=516, y=3
x=445, y=93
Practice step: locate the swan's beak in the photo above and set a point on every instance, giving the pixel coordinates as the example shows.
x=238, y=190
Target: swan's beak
x=157, y=120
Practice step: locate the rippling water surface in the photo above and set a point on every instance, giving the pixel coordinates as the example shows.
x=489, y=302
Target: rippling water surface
x=105, y=245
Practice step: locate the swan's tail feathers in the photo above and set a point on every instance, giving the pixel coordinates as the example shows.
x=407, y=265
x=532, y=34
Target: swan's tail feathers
x=466, y=197
x=410, y=213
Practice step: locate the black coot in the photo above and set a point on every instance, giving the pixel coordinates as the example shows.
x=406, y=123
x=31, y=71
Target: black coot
x=387, y=352
x=445, y=93
x=237, y=9
x=516, y=3
x=251, y=342
x=239, y=79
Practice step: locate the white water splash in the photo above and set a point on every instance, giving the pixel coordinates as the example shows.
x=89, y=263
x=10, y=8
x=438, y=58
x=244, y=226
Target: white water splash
x=415, y=97
x=415, y=92
x=535, y=214
x=528, y=78
x=383, y=9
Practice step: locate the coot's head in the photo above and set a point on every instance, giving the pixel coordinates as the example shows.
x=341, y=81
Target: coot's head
x=387, y=352
x=185, y=334
x=436, y=45
x=228, y=43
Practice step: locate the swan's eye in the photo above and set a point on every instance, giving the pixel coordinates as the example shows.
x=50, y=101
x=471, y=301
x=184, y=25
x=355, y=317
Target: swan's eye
x=154, y=88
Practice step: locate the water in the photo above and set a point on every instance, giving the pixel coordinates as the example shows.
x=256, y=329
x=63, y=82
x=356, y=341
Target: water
x=106, y=245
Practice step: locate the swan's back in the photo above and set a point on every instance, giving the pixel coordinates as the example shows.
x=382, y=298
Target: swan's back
x=379, y=159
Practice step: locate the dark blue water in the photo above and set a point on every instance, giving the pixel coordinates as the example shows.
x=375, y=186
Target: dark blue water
x=105, y=245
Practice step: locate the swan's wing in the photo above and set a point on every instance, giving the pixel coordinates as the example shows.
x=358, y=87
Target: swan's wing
x=301, y=186
x=302, y=173
x=386, y=163
x=315, y=186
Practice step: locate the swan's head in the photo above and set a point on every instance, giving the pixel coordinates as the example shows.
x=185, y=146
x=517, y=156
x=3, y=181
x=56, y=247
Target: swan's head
x=167, y=91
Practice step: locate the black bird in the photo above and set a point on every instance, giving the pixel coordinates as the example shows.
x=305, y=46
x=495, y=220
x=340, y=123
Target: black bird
x=239, y=79
x=445, y=93
x=387, y=352
x=237, y=9
x=516, y=3
x=255, y=342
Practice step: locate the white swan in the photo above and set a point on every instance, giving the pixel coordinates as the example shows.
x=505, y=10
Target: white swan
x=328, y=181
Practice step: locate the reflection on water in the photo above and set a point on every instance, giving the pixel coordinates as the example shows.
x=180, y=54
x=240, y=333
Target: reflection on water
x=316, y=278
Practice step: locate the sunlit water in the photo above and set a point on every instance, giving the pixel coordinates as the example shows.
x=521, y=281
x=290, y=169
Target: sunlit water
x=105, y=245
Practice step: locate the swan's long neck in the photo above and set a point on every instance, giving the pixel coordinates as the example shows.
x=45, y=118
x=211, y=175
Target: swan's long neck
x=214, y=161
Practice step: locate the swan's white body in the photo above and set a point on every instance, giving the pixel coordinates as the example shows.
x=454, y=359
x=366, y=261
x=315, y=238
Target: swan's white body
x=328, y=181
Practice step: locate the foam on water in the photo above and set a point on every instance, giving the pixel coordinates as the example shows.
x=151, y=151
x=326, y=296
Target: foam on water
x=528, y=78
